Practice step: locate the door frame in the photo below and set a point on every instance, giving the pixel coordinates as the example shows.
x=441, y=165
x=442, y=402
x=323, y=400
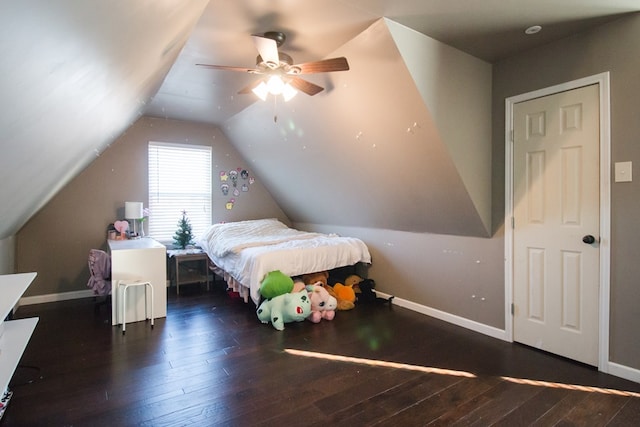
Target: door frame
x=602, y=80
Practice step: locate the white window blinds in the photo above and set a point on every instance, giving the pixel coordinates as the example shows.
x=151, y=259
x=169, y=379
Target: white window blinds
x=179, y=180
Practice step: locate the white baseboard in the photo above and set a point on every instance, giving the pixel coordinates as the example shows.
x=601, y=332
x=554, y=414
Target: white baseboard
x=622, y=371
x=450, y=318
x=39, y=299
x=612, y=368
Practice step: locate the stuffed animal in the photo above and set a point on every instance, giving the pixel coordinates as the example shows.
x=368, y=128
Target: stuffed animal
x=323, y=305
x=353, y=281
x=343, y=304
x=275, y=283
x=368, y=294
x=322, y=277
x=312, y=278
x=345, y=292
x=298, y=285
x=285, y=308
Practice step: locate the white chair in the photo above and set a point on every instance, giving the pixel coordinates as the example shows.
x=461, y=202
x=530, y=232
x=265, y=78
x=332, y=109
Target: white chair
x=122, y=302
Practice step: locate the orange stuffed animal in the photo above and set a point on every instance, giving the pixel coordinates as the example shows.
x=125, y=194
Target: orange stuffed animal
x=344, y=292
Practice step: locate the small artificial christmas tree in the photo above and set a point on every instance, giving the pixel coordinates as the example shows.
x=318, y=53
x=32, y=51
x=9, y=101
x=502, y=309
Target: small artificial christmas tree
x=183, y=236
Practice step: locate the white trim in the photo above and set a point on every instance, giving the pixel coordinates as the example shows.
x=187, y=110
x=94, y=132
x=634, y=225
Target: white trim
x=448, y=317
x=602, y=80
x=39, y=299
x=625, y=372
x=508, y=219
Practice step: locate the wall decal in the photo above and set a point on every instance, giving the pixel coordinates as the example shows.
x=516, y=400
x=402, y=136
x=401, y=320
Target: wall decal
x=234, y=177
x=227, y=188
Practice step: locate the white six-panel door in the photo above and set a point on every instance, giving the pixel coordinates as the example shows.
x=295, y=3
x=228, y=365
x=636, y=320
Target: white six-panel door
x=556, y=205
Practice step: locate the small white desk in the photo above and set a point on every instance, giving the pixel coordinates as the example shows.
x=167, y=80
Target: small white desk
x=14, y=334
x=138, y=259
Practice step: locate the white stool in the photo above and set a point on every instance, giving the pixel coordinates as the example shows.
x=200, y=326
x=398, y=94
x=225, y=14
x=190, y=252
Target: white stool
x=122, y=302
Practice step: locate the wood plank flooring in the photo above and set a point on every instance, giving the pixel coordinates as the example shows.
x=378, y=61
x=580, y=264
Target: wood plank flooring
x=211, y=362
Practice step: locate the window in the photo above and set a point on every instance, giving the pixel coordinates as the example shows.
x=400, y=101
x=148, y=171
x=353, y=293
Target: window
x=179, y=180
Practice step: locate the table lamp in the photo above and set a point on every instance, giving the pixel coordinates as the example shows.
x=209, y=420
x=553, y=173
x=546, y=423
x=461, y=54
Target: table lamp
x=133, y=211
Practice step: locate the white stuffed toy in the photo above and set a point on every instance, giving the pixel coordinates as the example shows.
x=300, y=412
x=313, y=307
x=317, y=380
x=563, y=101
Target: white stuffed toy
x=323, y=305
x=285, y=308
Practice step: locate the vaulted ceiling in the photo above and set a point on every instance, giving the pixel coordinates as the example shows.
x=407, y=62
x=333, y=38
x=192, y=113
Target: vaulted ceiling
x=488, y=29
x=76, y=74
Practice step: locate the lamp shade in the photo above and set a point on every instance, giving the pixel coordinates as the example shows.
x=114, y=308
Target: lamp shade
x=274, y=86
x=133, y=210
x=261, y=91
x=288, y=92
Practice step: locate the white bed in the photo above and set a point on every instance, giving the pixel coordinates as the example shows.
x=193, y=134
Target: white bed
x=245, y=251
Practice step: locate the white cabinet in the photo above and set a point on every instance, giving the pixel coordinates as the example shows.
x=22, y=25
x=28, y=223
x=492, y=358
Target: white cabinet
x=143, y=259
x=14, y=334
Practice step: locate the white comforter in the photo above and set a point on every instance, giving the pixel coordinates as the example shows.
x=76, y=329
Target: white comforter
x=236, y=236
x=249, y=262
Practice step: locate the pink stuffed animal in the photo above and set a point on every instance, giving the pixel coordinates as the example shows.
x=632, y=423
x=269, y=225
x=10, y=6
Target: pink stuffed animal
x=323, y=305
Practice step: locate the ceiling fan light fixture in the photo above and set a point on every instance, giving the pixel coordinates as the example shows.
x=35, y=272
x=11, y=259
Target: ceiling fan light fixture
x=275, y=85
x=278, y=71
x=288, y=92
x=261, y=91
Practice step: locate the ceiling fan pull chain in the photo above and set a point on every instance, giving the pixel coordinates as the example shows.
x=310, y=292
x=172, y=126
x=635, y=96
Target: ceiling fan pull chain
x=275, y=112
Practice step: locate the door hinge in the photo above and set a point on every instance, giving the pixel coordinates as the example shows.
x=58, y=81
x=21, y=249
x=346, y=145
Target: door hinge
x=513, y=309
x=511, y=135
x=513, y=223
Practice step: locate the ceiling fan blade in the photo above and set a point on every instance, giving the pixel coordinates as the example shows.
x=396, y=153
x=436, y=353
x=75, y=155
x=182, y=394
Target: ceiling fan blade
x=268, y=49
x=323, y=66
x=305, y=86
x=229, y=68
x=248, y=88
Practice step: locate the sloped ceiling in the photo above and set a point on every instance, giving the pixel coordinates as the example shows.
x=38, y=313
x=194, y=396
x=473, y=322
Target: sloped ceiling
x=369, y=152
x=76, y=74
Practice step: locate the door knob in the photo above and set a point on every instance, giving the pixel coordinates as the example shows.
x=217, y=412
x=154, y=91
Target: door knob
x=588, y=239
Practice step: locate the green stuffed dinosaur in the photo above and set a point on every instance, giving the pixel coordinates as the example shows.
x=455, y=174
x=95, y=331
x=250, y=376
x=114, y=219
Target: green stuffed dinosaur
x=275, y=283
x=285, y=308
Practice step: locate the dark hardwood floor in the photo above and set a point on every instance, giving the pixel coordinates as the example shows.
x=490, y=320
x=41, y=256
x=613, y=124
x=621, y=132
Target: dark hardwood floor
x=211, y=362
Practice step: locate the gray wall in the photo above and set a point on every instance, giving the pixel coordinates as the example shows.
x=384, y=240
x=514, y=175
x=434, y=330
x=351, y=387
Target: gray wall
x=612, y=48
x=56, y=241
x=458, y=275
x=7, y=255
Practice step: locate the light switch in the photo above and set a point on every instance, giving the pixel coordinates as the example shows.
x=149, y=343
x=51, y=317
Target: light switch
x=623, y=172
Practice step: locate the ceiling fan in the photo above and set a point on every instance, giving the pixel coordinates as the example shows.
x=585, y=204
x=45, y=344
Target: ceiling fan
x=279, y=71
